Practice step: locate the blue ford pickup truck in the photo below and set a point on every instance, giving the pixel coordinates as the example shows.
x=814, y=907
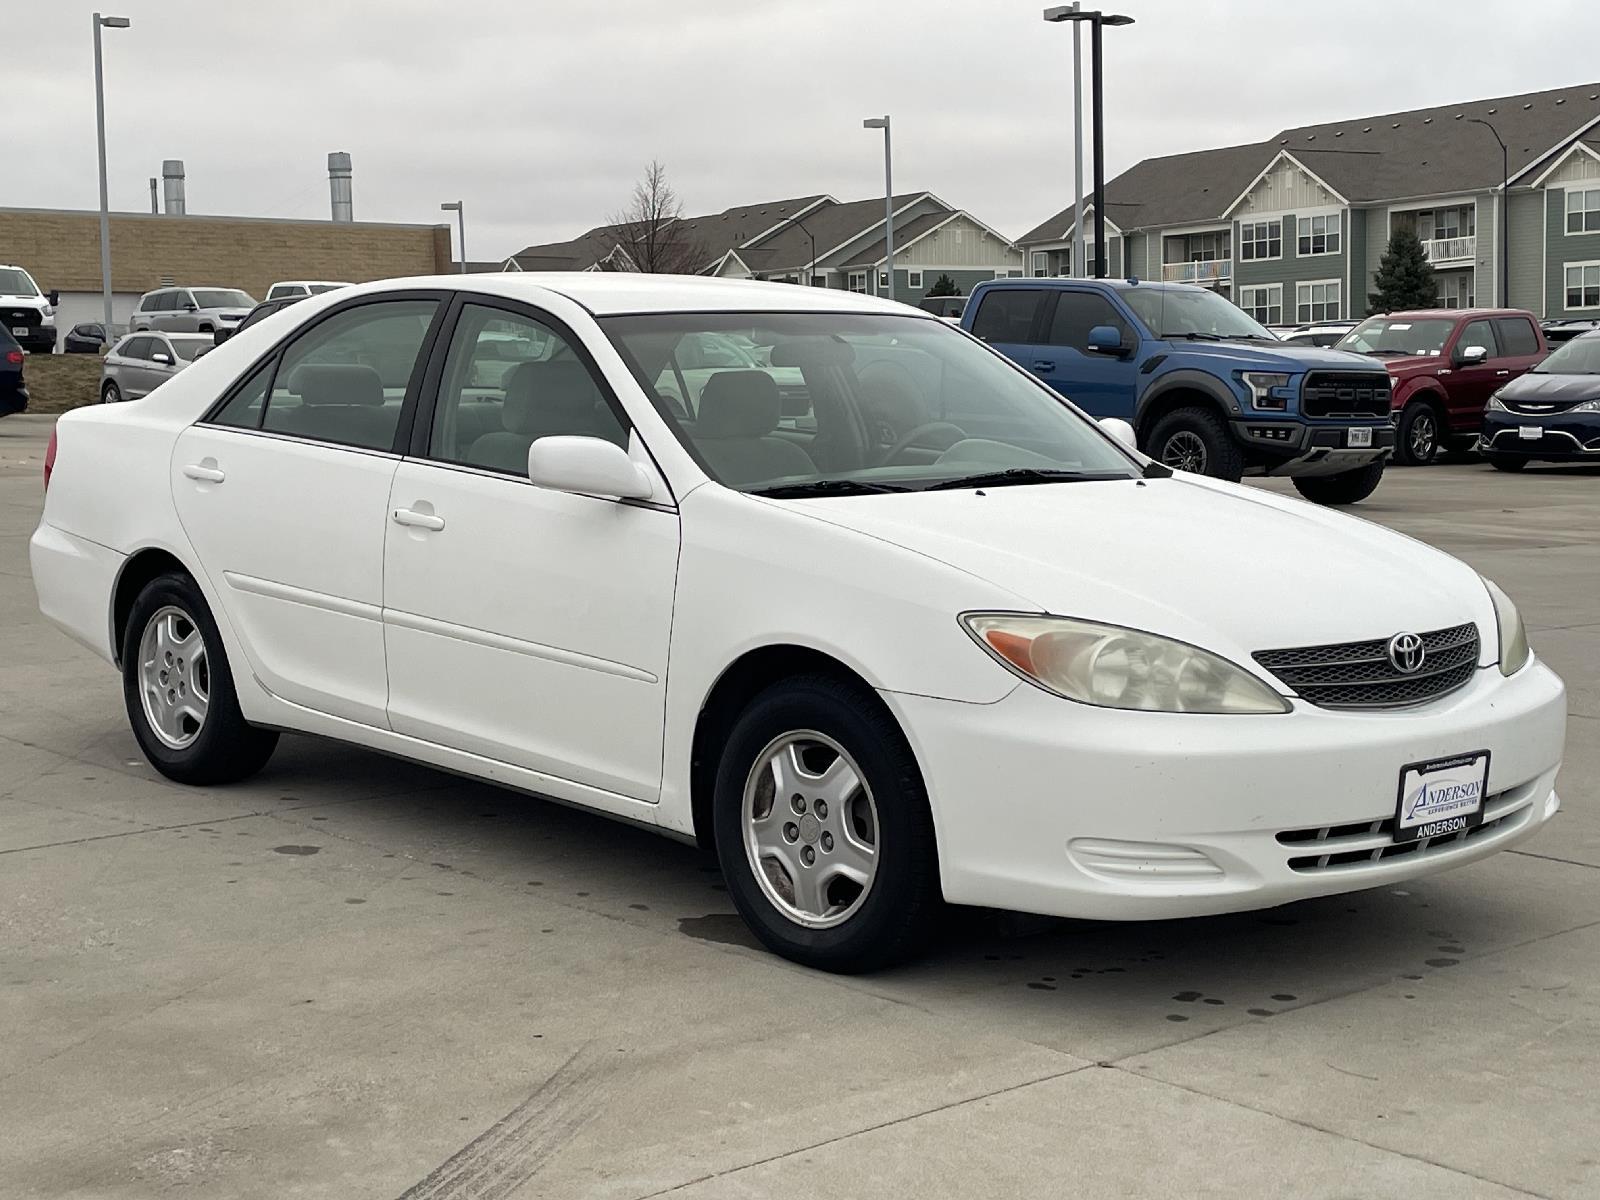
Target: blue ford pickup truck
x=1206, y=388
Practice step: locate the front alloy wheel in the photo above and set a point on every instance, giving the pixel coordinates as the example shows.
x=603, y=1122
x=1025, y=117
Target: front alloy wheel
x=1418, y=442
x=1185, y=451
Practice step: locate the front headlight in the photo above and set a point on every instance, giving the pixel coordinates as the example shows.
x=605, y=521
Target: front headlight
x=1112, y=667
x=1514, y=652
x=1262, y=385
x=1495, y=405
x=1586, y=406
x=49, y=310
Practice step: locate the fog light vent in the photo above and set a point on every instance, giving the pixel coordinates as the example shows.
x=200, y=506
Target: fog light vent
x=1155, y=862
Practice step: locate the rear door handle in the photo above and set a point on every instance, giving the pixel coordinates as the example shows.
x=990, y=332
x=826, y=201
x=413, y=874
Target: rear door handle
x=418, y=520
x=203, y=473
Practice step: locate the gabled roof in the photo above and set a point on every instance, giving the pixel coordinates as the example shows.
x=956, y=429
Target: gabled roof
x=833, y=226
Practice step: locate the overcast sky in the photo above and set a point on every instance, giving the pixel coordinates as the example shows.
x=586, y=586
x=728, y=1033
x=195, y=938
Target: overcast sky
x=540, y=114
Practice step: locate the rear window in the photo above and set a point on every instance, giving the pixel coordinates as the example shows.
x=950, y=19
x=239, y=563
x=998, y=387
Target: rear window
x=1007, y=314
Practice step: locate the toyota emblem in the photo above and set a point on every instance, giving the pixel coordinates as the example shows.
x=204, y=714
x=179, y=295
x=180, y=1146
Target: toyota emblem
x=1406, y=652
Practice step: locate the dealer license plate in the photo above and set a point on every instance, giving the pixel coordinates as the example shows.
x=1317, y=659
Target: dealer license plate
x=1530, y=433
x=19, y=331
x=1358, y=437
x=1441, y=797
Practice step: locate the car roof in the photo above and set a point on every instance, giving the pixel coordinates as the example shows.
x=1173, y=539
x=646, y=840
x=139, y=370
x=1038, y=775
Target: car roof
x=608, y=293
x=1121, y=285
x=1455, y=314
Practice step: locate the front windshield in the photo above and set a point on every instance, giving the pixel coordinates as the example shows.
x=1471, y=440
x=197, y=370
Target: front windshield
x=1398, y=335
x=1581, y=356
x=318, y=289
x=189, y=348
x=222, y=298
x=854, y=402
x=1180, y=312
x=14, y=281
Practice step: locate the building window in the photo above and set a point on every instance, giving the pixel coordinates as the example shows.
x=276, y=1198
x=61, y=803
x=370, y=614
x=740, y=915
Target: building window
x=883, y=280
x=1264, y=303
x=1319, y=235
x=819, y=281
x=1583, y=285
x=1455, y=289
x=858, y=281
x=914, y=280
x=1041, y=264
x=1317, y=301
x=1583, y=212
x=1260, y=239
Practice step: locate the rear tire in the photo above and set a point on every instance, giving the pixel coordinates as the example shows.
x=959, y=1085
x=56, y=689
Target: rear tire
x=1506, y=462
x=179, y=691
x=1345, y=488
x=1417, y=440
x=111, y=393
x=1196, y=439
x=799, y=743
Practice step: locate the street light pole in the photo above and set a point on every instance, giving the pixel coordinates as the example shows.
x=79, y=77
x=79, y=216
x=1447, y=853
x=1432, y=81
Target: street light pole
x=1505, y=204
x=456, y=207
x=888, y=194
x=100, y=126
x=1077, y=146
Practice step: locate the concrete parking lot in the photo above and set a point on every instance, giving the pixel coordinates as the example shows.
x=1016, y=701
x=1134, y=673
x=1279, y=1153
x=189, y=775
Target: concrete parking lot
x=356, y=978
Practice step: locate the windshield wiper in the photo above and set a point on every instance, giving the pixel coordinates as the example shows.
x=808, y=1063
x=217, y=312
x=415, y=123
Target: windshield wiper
x=826, y=487
x=1020, y=475
x=1196, y=337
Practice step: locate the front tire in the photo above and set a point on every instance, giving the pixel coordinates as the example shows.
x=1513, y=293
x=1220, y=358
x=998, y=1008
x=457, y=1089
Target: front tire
x=111, y=393
x=179, y=691
x=823, y=828
x=1196, y=439
x=1348, y=487
x=1506, y=462
x=1416, y=442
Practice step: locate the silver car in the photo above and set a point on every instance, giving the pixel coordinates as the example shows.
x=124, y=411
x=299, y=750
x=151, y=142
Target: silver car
x=142, y=362
x=191, y=309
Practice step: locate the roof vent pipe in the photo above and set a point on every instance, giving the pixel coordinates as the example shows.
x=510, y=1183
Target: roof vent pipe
x=172, y=187
x=339, y=186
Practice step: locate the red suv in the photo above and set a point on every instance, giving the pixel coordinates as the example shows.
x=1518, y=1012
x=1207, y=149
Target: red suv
x=1443, y=365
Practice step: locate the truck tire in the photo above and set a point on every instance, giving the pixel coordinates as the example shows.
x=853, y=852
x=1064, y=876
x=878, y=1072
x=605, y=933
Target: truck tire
x=1196, y=439
x=1417, y=440
x=1344, y=488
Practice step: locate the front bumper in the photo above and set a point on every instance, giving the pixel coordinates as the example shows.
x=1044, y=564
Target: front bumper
x=1566, y=437
x=1046, y=806
x=1289, y=447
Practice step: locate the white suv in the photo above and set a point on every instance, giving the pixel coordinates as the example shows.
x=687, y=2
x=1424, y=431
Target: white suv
x=191, y=310
x=28, y=314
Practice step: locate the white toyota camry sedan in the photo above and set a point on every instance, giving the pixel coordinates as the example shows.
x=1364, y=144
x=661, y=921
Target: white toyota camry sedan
x=880, y=618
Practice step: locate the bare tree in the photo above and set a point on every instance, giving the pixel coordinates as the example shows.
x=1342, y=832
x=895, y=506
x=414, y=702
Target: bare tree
x=651, y=228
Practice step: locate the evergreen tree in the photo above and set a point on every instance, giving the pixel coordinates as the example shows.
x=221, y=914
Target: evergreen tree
x=1405, y=277
x=944, y=286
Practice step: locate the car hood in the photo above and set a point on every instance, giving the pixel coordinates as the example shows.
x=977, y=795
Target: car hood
x=1265, y=356
x=31, y=301
x=1555, y=389
x=1230, y=568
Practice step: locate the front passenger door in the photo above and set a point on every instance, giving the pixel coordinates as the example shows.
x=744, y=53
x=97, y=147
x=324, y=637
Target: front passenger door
x=1101, y=384
x=1471, y=387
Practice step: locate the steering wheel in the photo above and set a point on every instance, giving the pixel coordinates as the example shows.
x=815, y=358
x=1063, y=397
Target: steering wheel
x=953, y=432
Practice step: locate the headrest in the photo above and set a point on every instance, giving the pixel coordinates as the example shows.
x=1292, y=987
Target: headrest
x=737, y=404
x=812, y=352
x=321, y=384
x=549, y=397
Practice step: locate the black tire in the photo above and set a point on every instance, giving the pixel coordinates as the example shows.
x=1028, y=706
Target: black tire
x=898, y=911
x=1197, y=437
x=1345, y=488
x=1507, y=462
x=226, y=748
x=1418, y=438
x=110, y=393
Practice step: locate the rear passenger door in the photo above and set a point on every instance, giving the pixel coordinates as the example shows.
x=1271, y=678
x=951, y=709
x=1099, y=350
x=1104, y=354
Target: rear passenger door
x=1008, y=319
x=1519, y=347
x=1101, y=384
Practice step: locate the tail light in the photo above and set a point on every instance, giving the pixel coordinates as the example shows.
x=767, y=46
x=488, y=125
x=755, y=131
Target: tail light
x=13, y=358
x=49, y=459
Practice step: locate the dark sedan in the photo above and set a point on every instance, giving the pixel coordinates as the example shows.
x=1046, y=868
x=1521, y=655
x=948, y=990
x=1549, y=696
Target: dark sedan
x=88, y=338
x=265, y=309
x=1550, y=414
x=13, y=392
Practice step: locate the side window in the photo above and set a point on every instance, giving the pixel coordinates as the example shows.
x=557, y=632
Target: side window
x=1006, y=314
x=344, y=380
x=1479, y=333
x=138, y=347
x=1517, y=338
x=160, y=346
x=1079, y=312
x=243, y=411
x=148, y=302
x=508, y=380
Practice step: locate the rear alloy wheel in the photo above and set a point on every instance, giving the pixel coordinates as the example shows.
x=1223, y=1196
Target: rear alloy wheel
x=1417, y=441
x=1345, y=488
x=1196, y=440
x=179, y=691
x=111, y=393
x=823, y=828
x=1507, y=462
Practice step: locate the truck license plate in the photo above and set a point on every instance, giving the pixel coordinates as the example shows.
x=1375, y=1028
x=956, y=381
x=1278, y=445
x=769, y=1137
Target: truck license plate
x=1359, y=438
x=19, y=331
x=1530, y=433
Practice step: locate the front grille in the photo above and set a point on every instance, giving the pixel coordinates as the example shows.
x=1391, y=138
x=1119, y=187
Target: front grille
x=23, y=316
x=1344, y=394
x=1350, y=847
x=1360, y=675
x=1539, y=408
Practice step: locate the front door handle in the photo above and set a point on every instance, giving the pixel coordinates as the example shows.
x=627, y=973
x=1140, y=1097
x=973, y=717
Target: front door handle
x=418, y=520
x=1040, y=364
x=203, y=473
x=1502, y=372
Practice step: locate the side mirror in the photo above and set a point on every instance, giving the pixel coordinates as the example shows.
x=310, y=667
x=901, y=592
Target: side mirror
x=191, y=306
x=162, y=357
x=1472, y=356
x=1120, y=430
x=54, y=297
x=1105, y=339
x=588, y=465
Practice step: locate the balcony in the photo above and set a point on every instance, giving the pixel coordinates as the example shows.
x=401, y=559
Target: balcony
x=1207, y=273
x=1451, y=249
